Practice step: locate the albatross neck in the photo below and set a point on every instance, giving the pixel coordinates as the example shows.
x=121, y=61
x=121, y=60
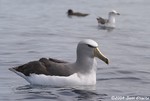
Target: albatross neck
x=111, y=19
x=85, y=64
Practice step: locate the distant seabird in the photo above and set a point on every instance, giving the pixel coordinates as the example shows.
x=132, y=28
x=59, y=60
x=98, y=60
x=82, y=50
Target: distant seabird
x=72, y=13
x=110, y=22
x=55, y=72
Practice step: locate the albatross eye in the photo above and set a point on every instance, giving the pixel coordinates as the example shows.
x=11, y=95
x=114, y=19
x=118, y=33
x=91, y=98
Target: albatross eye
x=91, y=46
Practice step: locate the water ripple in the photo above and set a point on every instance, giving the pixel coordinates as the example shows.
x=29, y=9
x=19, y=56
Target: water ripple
x=124, y=72
x=120, y=78
x=40, y=92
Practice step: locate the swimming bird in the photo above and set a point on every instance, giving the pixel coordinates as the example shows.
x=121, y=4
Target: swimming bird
x=72, y=13
x=54, y=72
x=110, y=22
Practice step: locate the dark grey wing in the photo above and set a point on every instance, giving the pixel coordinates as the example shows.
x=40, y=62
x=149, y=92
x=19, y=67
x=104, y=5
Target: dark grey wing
x=35, y=67
x=57, y=67
x=45, y=66
x=57, y=61
x=80, y=14
x=102, y=20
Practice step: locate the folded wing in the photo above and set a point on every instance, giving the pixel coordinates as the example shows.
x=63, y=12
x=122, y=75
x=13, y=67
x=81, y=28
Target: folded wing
x=45, y=66
x=102, y=20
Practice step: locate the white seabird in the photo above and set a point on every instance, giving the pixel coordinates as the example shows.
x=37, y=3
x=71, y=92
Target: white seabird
x=53, y=72
x=110, y=22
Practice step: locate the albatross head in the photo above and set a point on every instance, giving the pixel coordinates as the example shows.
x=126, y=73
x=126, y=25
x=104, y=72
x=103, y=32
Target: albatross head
x=113, y=12
x=88, y=49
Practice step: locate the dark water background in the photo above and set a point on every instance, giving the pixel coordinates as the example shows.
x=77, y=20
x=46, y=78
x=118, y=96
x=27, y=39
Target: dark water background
x=31, y=29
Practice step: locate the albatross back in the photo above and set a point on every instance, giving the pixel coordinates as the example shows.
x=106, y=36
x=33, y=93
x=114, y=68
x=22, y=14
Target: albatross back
x=45, y=66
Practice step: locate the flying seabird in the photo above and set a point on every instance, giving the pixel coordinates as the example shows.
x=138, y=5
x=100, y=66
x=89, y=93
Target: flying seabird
x=53, y=72
x=72, y=13
x=110, y=22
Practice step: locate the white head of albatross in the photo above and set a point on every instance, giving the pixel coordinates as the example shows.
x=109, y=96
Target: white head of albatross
x=55, y=72
x=87, y=50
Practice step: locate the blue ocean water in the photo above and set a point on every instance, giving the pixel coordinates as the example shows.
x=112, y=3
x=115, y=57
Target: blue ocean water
x=31, y=29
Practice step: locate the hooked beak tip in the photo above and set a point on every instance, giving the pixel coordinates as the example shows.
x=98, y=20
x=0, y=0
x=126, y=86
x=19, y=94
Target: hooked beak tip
x=100, y=55
x=118, y=13
x=107, y=61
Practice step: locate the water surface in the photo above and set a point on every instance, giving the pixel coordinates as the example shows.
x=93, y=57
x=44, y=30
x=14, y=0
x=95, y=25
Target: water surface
x=31, y=29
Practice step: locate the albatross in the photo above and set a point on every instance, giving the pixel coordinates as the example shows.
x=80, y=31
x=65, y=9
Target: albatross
x=79, y=14
x=110, y=22
x=54, y=72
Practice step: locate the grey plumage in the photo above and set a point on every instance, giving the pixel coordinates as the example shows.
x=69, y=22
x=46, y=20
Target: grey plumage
x=45, y=66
